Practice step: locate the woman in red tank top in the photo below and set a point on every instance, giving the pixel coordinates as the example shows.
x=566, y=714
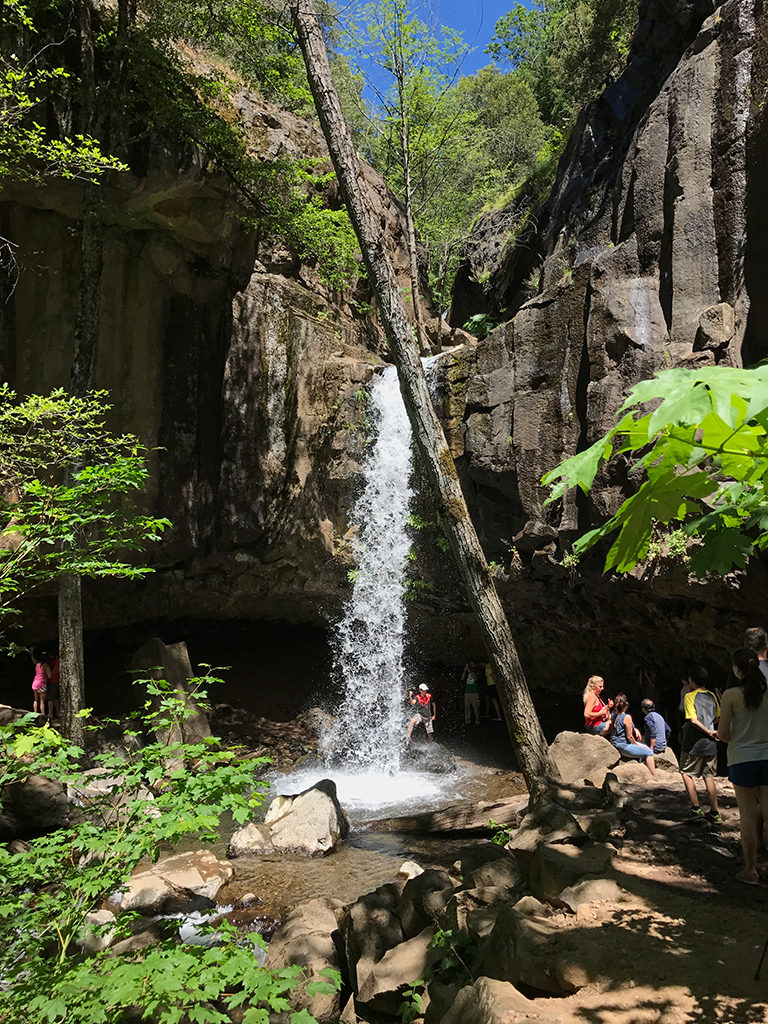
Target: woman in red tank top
x=597, y=714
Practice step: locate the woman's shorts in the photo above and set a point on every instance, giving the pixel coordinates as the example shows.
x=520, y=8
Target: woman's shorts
x=638, y=750
x=749, y=774
x=39, y=690
x=598, y=729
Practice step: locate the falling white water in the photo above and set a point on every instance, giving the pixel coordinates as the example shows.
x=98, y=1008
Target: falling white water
x=369, y=641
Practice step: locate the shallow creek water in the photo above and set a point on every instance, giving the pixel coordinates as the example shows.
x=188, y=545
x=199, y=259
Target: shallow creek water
x=368, y=857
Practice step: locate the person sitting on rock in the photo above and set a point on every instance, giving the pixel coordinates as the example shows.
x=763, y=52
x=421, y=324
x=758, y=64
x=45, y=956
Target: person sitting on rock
x=426, y=710
x=657, y=731
x=597, y=714
x=626, y=738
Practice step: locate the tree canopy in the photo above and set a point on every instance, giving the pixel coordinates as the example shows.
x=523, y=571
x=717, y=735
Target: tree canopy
x=696, y=445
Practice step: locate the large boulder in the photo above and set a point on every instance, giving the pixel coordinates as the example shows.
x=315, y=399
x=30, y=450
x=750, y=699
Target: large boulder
x=581, y=755
x=305, y=939
x=156, y=660
x=522, y=949
x=475, y=910
x=489, y=1001
x=370, y=927
x=380, y=983
x=548, y=823
x=311, y=823
x=186, y=881
x=554, y=868
x=423, y=899
x=31, y=807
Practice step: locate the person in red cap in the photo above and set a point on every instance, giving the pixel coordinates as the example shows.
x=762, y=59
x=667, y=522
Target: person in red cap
x=426, y=710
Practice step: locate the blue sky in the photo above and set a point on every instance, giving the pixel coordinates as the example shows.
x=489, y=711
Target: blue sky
x=476, y=20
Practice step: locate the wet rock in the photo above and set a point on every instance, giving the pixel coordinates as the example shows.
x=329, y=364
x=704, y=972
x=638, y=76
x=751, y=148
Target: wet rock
x=423, y=899
x=578, y=755
x=428, y=757
x=249, y=841
x=31, y=807
x=311, y=823
x=305, y=939
x=369, y=927
x=186, y=881
x=462, y=817
x=135, y=943
x=554, y=868
x=380, y=983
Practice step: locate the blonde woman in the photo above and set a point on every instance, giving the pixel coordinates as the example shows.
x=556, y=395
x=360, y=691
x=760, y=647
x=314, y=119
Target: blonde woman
x=597, y=714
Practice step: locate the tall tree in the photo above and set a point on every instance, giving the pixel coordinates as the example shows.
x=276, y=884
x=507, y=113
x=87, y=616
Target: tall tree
x=416, y=61
x=523, y=724
x=65, y=511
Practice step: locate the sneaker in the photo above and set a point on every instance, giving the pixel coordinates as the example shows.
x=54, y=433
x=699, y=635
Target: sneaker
x=695, y=812
x=715, y=817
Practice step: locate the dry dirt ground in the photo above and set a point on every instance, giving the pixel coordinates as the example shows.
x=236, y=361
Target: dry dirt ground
x=683, y=944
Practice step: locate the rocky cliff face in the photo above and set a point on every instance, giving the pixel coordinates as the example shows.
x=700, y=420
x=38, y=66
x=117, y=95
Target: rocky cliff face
x=648, y=254
x=227, y=354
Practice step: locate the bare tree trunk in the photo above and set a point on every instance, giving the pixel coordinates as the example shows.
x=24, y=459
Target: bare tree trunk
x=522, y=721
x=413, y=262
x=71, y=655
x=81, y=375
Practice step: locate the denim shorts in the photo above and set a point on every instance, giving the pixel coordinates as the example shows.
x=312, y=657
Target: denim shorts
x=598, y=729
x=749, y=774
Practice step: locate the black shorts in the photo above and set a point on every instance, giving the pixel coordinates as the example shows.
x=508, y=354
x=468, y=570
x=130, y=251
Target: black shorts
x=54, y=691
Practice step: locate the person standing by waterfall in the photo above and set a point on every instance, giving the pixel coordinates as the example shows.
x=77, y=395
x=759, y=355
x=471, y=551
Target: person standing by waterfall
x=426, y=711
x=470, y=677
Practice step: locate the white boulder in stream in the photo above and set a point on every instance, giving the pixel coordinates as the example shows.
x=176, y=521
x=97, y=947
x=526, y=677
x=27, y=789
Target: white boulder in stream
x=312, y=823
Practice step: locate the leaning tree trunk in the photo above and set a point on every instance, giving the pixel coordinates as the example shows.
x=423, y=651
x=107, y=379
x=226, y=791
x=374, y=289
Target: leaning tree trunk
x=413, y=256
x=524, y=728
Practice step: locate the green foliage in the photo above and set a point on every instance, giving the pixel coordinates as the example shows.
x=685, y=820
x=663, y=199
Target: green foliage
x=565, y=50
x=66, y=488
x=28, y=152
x=501, y=833
x=411, y=1006
x=481, y=324
x=458, y=950
x=158, y=792
x=699, y=458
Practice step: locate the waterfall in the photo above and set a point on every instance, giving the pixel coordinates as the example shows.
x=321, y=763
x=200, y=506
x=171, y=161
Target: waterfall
x=369, y=639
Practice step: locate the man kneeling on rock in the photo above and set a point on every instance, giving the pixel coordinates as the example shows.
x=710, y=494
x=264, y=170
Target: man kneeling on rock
x=426, y=710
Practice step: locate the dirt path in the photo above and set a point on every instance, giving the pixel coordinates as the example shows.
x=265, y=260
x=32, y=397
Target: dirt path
x=683, y=943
